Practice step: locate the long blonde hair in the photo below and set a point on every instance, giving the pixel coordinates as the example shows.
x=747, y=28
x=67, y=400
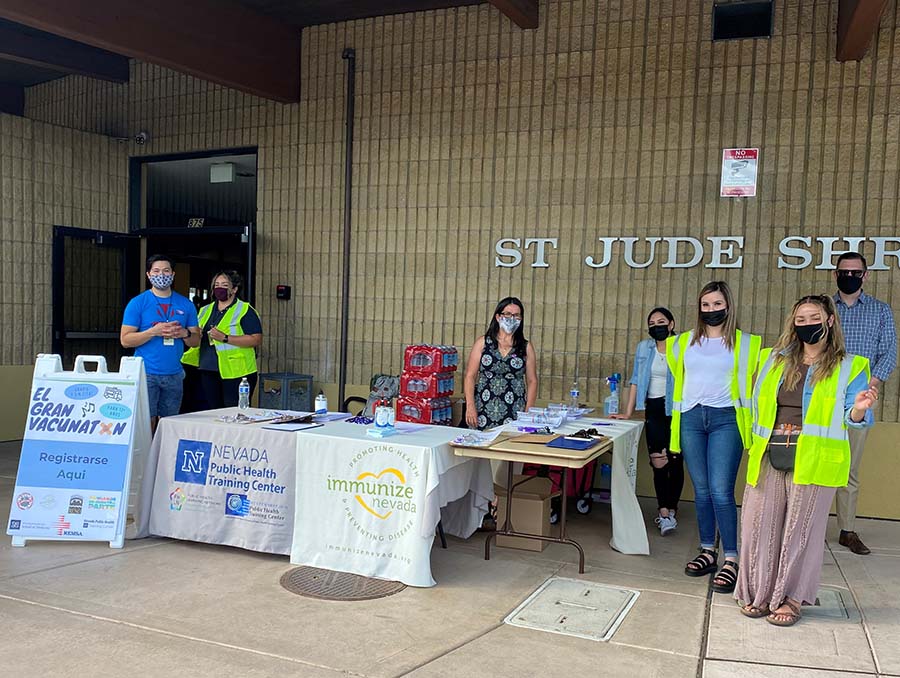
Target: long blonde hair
x=789, y=349
x=730, y=328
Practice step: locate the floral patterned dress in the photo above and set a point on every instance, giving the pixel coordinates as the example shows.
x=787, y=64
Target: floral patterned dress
x=500, y=391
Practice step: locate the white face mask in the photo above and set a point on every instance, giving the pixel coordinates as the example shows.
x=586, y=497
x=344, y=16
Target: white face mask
x=510, y=325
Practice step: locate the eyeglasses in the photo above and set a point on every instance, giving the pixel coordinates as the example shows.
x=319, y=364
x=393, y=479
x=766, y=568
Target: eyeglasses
x=847, y=273
x=585, y=433
x=510, y=316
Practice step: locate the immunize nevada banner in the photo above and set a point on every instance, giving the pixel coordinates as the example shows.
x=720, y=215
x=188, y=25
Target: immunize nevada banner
x=360, y=509
x=224, y=484
x=74, y=460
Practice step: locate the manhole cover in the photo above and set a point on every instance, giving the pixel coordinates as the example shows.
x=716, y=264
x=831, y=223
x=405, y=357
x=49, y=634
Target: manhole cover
x=330, y=585
x=574, y=607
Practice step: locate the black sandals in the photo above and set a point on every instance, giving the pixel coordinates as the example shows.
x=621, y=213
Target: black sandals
x=703, y=564
x=725, y=581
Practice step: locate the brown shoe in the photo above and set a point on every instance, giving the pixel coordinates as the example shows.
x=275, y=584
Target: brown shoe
x=852, y=541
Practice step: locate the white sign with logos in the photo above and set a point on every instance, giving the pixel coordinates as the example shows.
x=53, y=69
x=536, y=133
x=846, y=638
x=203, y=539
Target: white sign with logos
x=371, y=507
x=222, y=483
x=794, y=251
x=82, y=431
x=368, y=504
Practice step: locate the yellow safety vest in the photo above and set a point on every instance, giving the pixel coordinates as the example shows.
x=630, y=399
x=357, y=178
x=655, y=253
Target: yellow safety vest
x=823, y=449
x=234, y=361
x=746, y=357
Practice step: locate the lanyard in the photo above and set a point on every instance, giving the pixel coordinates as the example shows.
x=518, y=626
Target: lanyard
x=162, y=307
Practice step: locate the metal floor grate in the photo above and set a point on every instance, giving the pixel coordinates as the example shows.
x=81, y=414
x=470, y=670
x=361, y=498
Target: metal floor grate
x=314, y=582
x=830, y=604
x=574, y=607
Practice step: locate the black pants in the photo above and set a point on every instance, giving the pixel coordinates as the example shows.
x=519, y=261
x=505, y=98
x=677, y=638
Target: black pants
x=668, y=480
x=216, y=392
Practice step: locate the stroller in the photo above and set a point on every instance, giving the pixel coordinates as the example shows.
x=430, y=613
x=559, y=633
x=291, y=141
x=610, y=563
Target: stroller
x=380, y=386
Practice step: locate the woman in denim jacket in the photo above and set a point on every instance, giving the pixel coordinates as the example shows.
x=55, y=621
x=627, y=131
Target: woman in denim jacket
x=652, y=384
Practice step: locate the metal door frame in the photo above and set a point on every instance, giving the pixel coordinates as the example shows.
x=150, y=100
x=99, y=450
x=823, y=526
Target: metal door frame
x=57, y=278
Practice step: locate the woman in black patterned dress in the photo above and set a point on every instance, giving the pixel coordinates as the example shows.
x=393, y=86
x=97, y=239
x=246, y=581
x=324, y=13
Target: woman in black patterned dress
x=501, y=375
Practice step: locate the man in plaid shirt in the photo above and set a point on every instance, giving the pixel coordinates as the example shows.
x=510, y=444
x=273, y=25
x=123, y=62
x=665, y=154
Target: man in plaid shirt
x=869, y=331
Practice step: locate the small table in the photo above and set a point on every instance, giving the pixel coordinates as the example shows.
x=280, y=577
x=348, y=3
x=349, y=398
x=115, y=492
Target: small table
x=512, y=451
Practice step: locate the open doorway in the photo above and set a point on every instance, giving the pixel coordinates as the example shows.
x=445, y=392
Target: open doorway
x=200, y=209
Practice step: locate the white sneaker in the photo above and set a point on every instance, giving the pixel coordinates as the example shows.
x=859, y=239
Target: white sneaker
x=667, y=525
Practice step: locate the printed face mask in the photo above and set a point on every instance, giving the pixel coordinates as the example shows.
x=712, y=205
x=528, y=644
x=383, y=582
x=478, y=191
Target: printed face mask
x=510, y=325
x=658, y=332
x=714, y=318
x=220, y=293
x=849, y=284
x=162, y=281
x=810, y=334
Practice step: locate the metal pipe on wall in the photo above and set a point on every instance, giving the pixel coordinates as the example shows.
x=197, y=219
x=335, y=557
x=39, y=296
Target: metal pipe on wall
x=350, y=55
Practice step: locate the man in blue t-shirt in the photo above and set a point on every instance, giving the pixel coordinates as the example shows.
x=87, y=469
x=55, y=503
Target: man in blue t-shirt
x=158, y=324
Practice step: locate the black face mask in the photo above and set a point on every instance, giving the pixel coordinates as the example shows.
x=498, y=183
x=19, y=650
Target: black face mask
x=714, y=318
x=658, y=332
x=810, y=334
x=849, y=284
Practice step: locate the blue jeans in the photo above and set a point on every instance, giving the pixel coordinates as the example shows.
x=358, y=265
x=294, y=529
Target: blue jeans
x=712, y=448
x=164, y=392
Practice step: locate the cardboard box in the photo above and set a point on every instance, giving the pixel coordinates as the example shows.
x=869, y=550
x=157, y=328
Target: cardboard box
x=530, y=511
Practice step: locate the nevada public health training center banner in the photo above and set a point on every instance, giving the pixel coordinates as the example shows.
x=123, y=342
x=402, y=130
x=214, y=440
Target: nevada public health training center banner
x=223, y=484
x=75, y=465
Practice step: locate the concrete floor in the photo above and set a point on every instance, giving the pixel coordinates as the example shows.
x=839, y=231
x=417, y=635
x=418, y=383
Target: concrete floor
x=160, y=607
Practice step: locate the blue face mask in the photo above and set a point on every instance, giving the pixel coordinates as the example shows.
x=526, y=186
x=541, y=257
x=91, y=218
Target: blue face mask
x=162, y=281
x=510, y=325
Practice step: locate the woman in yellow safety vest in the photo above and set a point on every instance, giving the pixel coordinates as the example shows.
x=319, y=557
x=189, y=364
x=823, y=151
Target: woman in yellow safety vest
x=227, y=352
x=808, y=391
x=713, y=366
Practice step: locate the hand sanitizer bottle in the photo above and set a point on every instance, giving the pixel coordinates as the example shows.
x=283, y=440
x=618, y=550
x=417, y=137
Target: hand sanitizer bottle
x=611, y=403
x=321, y=406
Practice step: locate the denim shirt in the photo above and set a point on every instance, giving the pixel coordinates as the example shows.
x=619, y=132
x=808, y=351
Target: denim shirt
x=859, y=383
x=640, y=375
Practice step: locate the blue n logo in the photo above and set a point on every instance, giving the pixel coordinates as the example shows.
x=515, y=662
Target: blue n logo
x=192, y=461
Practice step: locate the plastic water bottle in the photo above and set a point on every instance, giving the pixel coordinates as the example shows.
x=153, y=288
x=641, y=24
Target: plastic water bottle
x=321, y=406
x=244, y=394
x=611, y=403
x=392, y=413
x=574, y=393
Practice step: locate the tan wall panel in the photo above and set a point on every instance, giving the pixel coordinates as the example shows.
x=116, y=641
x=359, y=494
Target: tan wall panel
x=16, y=380
x=49, y=176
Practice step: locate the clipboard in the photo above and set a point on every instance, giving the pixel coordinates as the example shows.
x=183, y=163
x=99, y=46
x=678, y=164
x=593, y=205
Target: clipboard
x=571, y=443
x=534, y=438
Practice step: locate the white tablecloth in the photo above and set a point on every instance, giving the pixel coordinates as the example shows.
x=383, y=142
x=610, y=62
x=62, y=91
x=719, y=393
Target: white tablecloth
x=234, y=484
x=378, y=501
x=629, y=532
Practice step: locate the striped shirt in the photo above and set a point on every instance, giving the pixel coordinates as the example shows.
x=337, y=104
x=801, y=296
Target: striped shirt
x=869, y=331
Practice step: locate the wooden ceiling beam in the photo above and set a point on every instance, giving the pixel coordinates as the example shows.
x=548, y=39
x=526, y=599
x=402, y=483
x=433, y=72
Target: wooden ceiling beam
x=858, y=22
x=36, y=48
x=214, y=40
x=523, y=13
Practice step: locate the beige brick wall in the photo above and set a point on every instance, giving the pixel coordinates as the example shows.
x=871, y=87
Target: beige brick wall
x=608, y=120
x=49, y=176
